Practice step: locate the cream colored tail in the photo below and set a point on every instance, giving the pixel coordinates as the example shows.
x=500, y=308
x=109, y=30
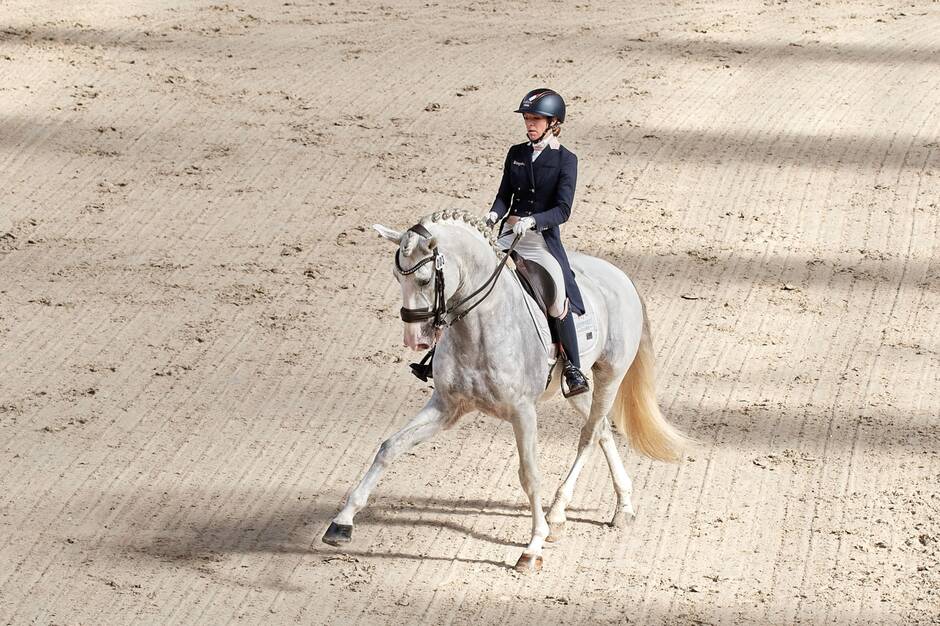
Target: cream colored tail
x=636, y=413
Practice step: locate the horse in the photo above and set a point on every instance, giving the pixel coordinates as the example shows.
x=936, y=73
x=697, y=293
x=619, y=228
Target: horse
x=489, y=358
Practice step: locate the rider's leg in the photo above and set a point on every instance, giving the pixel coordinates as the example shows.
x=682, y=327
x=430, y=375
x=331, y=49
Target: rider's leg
x=568, y=335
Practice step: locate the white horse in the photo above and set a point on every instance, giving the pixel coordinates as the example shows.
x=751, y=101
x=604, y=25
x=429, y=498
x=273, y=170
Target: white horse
x=493, y=361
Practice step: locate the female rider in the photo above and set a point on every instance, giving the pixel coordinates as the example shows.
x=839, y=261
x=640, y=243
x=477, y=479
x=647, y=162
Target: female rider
x=534, y=199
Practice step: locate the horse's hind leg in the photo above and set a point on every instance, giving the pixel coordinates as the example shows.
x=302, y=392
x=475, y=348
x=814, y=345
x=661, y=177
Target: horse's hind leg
x=622, y=484
x=428, y=422
x=556, y=515
x=594, y=411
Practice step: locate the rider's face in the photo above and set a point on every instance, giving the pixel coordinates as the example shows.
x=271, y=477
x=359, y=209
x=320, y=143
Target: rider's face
x=535, y=125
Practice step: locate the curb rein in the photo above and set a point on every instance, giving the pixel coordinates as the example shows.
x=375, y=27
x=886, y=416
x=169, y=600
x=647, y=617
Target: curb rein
x=440, y=311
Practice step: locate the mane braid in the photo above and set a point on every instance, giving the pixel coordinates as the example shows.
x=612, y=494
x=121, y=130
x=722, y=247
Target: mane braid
x=463, y=218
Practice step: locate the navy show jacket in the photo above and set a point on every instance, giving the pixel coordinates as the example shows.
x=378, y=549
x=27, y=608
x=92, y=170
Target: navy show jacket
x=543, y=190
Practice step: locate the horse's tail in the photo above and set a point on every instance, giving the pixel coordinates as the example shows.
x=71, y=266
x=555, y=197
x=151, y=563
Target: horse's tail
x=636, y=413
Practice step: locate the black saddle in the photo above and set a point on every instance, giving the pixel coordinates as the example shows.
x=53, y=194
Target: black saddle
x=536, y=281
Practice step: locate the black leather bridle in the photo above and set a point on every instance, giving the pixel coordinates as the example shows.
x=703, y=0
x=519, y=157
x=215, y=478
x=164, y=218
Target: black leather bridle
x=439, y=312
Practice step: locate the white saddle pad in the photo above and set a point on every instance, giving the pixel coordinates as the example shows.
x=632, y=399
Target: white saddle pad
x=586, y=326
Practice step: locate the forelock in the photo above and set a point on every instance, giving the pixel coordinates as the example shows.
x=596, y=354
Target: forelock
x=409, y=242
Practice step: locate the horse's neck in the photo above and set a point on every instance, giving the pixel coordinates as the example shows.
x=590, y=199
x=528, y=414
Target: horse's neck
x=477, y=266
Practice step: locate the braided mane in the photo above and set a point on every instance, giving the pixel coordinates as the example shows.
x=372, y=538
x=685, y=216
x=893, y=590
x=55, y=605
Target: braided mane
x=463, y=218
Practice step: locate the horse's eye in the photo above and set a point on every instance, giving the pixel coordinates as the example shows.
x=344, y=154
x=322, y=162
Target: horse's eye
x=423, y=283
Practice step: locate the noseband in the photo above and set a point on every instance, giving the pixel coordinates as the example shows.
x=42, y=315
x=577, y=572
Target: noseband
x=439, y=312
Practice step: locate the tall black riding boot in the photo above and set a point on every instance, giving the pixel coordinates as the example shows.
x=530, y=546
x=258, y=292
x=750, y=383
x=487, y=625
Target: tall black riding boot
x=575, y=380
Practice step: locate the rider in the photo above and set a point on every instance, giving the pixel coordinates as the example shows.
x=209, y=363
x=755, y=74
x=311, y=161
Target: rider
x=534, y=199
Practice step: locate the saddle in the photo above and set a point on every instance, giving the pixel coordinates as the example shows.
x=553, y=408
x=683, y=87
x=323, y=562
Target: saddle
x=540, y=290
x=536, y=281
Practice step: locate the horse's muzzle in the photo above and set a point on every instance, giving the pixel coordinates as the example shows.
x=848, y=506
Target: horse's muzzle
x=417, y=336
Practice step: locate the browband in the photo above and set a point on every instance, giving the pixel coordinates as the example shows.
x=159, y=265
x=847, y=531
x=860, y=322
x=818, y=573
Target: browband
x=414, y=269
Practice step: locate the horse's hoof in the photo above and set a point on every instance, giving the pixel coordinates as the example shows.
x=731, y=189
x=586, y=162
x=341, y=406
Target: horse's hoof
x=622, y=518
x=338, y=534
x=555, y=532
x=529, y=563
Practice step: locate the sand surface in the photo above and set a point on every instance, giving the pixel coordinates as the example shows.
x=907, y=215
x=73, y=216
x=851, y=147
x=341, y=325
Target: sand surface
x=199, y=334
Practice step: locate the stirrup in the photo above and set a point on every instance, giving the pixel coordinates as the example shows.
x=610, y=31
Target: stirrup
x=581, y=384
x=425, y=369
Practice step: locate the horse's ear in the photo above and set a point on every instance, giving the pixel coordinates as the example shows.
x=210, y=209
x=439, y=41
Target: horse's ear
x=388, y=233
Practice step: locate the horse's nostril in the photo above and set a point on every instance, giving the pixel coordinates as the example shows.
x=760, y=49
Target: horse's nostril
x=423, y=346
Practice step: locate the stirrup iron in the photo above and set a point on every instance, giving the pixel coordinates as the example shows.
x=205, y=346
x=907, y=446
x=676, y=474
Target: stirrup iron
x=582, y=385
x=424, y=370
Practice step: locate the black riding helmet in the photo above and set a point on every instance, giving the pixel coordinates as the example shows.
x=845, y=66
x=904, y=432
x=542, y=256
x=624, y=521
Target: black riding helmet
x=545, y=102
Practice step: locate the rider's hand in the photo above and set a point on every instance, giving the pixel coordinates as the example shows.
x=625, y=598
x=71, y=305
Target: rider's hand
x=491, y=219
x=524, y=224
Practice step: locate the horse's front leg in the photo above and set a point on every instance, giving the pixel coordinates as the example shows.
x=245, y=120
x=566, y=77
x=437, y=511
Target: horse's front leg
x=427, y=423
x=525, y=427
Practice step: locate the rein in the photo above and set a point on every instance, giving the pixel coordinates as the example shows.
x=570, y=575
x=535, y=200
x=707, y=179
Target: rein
x=440, y=311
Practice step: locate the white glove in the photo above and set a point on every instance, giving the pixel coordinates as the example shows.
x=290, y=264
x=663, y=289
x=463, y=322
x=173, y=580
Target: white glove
x=491, y=219
x=523, y=225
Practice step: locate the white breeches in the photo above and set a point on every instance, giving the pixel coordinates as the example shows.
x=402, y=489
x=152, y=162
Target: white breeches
x=532, y=247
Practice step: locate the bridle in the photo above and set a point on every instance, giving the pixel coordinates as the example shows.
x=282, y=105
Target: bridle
x=440, y=312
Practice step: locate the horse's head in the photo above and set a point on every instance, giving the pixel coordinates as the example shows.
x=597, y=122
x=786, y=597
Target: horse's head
x=428, y=279
x=417, y=267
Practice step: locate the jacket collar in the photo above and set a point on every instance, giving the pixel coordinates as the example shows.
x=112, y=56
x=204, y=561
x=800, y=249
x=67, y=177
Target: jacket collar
x=549, y=156
x=549, y=142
